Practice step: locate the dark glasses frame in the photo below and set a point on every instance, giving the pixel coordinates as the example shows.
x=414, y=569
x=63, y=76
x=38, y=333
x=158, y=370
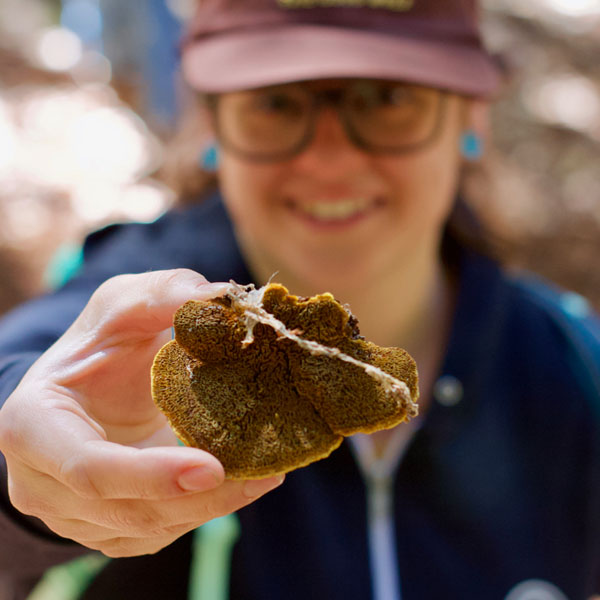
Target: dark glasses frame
x=333, y=97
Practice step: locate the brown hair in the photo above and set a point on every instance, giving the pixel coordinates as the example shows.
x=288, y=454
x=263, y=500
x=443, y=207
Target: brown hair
x=182, y=170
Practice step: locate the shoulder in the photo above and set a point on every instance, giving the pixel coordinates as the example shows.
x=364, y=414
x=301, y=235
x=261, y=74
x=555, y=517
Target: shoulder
x=528, y=341
x=528, y=356
x=554, y=335
x=177, y=227
x=570, y=311
x=559, y=324
x=198, y=237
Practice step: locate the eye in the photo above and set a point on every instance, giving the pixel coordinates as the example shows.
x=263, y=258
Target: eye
x=396, y=95
x=368, y=96
x=277, y=103
x=393, y=95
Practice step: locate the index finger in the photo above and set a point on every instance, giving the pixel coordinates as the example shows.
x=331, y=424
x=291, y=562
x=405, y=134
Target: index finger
x=110, y=471
x=71, y=448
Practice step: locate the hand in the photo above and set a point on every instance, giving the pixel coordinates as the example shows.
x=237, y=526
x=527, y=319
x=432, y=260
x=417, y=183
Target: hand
x=87, y=450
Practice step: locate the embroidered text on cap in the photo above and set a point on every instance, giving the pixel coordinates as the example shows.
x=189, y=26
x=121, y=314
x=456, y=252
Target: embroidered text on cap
x=399, y=5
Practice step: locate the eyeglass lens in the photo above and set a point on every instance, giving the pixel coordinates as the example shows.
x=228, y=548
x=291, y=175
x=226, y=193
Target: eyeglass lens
x=278, y=121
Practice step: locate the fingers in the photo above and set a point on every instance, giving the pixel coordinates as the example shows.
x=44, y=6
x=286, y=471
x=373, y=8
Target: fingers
x=111, y=471
x=115, y=543
x=99, y=519
x=122, y=547
x=153, y=525
x=89, y=533
x=126, y=527
x=145, y=301
x=172, y=480
x=72, y=450
x=143, y=518
x=98, y=469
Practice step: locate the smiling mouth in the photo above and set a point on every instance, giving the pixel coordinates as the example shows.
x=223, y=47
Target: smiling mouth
x=339, y=211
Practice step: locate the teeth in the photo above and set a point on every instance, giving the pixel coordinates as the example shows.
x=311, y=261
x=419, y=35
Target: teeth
x=335, y=211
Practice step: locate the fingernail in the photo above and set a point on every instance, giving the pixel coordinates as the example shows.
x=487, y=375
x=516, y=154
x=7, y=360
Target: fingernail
x=257, y=487
x=198, y=478
x=212, y=290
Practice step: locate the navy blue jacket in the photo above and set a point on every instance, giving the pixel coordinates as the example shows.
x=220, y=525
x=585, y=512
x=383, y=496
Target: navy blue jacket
x=499, y=487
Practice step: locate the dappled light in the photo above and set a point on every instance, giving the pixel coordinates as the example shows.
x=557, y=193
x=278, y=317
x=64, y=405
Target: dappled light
x=81, y=147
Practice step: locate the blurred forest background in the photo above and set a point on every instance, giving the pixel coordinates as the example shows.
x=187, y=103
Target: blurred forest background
x=89, y=90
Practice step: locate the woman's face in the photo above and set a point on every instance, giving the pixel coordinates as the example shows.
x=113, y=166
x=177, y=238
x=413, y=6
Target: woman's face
x=336, y=215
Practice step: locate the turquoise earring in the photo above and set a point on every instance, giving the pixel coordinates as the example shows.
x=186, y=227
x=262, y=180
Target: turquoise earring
x=471, y=146
x=209, y=158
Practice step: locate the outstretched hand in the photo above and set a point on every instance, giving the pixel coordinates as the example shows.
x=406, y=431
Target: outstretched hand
x=87, y=450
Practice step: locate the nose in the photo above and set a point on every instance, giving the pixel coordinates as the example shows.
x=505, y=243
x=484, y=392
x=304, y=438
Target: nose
x=330, y=151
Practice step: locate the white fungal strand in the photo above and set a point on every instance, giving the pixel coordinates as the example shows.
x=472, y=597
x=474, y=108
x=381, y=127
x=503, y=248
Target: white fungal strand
x=248, y=300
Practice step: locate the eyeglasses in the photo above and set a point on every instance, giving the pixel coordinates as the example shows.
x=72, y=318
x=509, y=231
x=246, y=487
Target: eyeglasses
x=278, y=122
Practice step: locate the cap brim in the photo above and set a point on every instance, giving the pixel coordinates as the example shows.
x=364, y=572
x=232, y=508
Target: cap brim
x=249, y=59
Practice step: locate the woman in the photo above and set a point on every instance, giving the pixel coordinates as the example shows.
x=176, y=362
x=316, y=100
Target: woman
x=339, y=127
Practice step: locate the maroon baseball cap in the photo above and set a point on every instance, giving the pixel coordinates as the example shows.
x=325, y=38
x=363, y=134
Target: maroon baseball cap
x=241, y=44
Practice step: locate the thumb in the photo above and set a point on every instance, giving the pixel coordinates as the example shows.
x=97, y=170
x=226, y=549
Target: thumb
x=145, y=302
